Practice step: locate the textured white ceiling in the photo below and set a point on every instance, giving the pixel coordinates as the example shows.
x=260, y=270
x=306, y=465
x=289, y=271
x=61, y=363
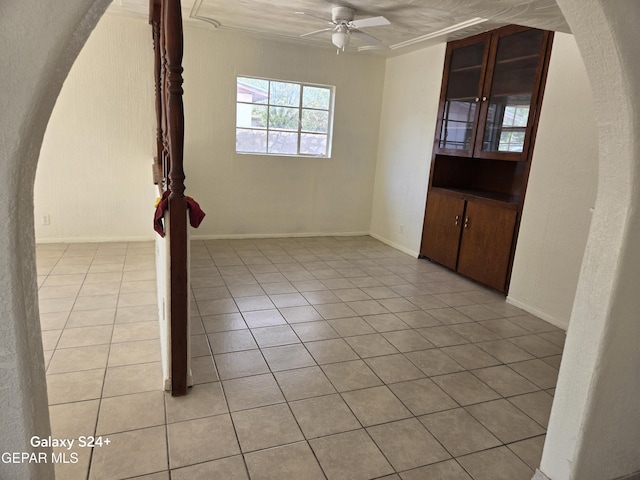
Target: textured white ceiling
x=414, y=23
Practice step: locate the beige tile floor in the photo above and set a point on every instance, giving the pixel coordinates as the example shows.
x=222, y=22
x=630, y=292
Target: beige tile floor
x=314, y=358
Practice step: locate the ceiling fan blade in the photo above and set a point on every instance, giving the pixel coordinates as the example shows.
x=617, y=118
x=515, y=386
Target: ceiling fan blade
x=305, y=14
x=365, y=37
x=316, y=32
x=370, y=22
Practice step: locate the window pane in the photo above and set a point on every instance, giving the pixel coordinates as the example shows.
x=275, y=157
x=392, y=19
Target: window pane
x=316, y=97
x=283, y=142
x=457, y=125
x=252, y=90
x=313, y=144
x=506, y=111
x=283, y=118
x=515, y=116
x=511, y=141
x=248, y=115
x=287, y=94
x=315, y=121
x=251, y=141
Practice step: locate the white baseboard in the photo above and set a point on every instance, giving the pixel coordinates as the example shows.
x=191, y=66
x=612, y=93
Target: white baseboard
x=237, y=236
x=195, y=236
x=94, y=239
x=538, y=313
x=240, y=236
x=403, y=249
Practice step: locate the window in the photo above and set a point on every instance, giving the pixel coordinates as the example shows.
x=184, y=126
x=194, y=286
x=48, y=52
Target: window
x=514, y=125
x=283, y=118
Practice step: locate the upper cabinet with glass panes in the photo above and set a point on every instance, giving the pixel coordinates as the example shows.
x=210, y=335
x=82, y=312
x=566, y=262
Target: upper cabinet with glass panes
x=489, y=98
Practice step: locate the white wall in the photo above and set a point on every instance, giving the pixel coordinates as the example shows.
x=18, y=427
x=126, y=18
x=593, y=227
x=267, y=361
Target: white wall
x=94, y=174
x=246, y=195
x=561, y=191
x=407, y=126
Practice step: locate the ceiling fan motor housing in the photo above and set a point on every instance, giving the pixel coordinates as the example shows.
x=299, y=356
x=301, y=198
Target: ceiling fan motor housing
x=342, y=14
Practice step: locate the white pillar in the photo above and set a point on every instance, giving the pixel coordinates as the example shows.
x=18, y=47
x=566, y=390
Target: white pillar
x=594, y=430
x=39, y=42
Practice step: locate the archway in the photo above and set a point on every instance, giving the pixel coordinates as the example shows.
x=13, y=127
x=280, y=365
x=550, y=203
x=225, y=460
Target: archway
x=590, y=435
x=40, y=44
x=593, y=431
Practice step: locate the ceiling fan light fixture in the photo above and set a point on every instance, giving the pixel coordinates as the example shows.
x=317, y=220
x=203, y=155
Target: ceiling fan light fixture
x=340, y=39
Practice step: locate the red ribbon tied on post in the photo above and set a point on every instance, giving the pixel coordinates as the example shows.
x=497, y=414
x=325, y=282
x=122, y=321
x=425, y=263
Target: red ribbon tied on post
x=195, y=213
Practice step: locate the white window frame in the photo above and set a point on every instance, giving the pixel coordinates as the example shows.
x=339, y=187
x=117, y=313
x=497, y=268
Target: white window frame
x=299, y=132
x=511, y=127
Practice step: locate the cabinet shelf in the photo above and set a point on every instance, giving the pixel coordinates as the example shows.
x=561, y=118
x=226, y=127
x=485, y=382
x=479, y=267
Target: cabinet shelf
x=502, y=199
x=521, y=58
x=462, y=99
x=510, y=94
x=493, y=95
x=466, y=69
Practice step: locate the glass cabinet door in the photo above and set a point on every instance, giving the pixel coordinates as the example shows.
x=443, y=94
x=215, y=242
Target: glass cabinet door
x=459, y=114
x=509, y=95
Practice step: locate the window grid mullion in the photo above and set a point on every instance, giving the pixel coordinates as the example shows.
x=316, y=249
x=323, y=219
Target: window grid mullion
x=268, y=115
x=300, y=117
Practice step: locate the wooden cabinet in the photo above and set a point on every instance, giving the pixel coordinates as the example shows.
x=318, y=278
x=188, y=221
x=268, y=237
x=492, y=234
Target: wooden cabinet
x=442, y=228
x=485, y=246
x=471, y=236
x=488, y=114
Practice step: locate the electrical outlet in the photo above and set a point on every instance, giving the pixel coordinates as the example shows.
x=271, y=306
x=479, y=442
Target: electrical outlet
x=45, y=219
x=401, y=229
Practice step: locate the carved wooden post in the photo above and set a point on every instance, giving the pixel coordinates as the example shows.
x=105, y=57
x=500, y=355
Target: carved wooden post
x=178, y=248
x=164, y=98
x=155, y=12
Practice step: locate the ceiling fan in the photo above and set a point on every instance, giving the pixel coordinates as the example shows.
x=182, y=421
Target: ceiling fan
x=343, y=26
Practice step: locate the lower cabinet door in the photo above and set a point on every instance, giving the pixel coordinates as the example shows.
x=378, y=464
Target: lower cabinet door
x=485, y=247
x=442, y=225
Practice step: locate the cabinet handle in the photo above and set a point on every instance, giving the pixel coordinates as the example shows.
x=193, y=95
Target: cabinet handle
x=484, y=99
x=477, y=99
x=466, y=222
x=457, y=220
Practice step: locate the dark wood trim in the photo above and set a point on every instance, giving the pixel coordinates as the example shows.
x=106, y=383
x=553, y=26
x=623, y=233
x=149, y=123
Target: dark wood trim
x=155, y=10
x=165, y=17
x=172, y=27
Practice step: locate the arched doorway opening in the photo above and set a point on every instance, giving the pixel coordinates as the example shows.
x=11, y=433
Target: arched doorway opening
x=590, y=435
x=39, y=46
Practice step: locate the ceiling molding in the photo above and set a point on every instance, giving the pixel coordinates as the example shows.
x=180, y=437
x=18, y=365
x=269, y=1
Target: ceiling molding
x=439, y=33
x=194, y=14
